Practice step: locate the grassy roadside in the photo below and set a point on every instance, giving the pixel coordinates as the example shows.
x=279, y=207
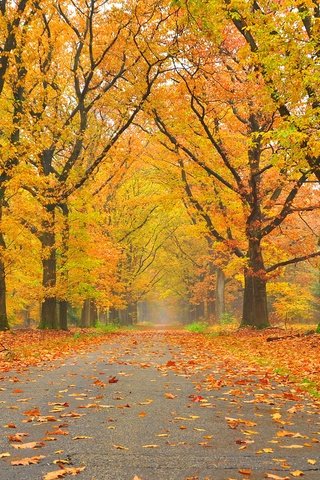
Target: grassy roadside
x=290, y=353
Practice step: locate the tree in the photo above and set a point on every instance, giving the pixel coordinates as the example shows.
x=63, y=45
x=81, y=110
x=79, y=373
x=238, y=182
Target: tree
x=78, y=115
x=230, y=130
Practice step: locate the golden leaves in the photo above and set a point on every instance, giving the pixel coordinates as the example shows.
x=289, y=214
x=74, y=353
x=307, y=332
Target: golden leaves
x=56, y=474
x=27, y=461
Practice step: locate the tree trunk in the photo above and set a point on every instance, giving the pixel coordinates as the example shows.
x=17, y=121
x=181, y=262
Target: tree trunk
x=49, y=275
x=113, y=315
x=63, y=315
x=88, y=314
x=132, y=313
x=220, y=290
x=255, y=310
x=85, y=314
x=93, y=314
x=4, y=324
x=123, y=316
x=63, y=303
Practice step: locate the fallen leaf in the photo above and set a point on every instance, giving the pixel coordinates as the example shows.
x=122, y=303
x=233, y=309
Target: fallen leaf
x=170, y=396
x=5, y=454
x=27, y=461
x=62, y=473
x=27, y=445
x=297, y=473
x=276, y=477
x=245, y=471
x=113, y=380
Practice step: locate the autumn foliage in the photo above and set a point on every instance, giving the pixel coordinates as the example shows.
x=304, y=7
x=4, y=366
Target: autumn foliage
x=158, y=155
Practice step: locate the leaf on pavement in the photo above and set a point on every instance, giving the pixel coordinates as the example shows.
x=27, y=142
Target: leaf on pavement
x=62, y=473
x=113, y=379
x=5, y=454
x=27, y=460
x=27, y=445
x=277, y=477
x=170, y=396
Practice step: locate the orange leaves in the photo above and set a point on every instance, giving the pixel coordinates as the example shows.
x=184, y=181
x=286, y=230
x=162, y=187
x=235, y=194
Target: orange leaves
x=34, y=347
x=35, y=412
x=99, y=383
x=235, y=422
x=27, y=461
x=17, y=437
x=245, y=471
x=55, y=475
x=170, y=396
x=20, y=446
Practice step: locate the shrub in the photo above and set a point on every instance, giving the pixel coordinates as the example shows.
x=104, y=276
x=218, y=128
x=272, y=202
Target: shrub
x=197, y=327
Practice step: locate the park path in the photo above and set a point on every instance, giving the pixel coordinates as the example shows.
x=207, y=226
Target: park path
x=156, y=406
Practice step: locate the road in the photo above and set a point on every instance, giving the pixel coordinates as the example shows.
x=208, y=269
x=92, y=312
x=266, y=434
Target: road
x=156, y=406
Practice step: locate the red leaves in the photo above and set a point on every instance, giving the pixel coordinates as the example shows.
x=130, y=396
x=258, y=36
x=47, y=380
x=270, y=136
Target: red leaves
x=113, y=379
x=170, y=363
x=196, y=398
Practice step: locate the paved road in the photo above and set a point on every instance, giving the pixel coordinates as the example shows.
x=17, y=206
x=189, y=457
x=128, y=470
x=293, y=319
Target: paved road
x=142, y=406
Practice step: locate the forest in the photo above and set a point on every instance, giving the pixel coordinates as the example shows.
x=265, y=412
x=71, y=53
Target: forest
x=160, y=162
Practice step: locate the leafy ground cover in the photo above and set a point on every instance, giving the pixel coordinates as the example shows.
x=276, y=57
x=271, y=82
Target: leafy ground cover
x=293, y=353
x=20, y=349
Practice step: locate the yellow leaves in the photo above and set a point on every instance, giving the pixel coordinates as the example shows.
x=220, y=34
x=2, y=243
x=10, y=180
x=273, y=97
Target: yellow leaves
x=5, y=454
x=311, y=461
x=265, y=450
x=276, y=477
x=297, y=473
x=120, y=447
x=291, y=446
x=150, y=446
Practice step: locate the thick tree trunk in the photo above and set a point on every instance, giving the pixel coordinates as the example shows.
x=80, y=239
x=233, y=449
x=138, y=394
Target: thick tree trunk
x=49, y=275
x=4, y=325
x=220, y=290
x=93, y=313
x=255, y=310
x=85, y=314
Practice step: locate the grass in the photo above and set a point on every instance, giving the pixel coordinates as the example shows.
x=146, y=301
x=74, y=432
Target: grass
x=197, y=327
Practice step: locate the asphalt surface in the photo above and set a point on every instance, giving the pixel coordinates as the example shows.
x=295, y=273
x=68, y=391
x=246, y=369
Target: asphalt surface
x=142, y=407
